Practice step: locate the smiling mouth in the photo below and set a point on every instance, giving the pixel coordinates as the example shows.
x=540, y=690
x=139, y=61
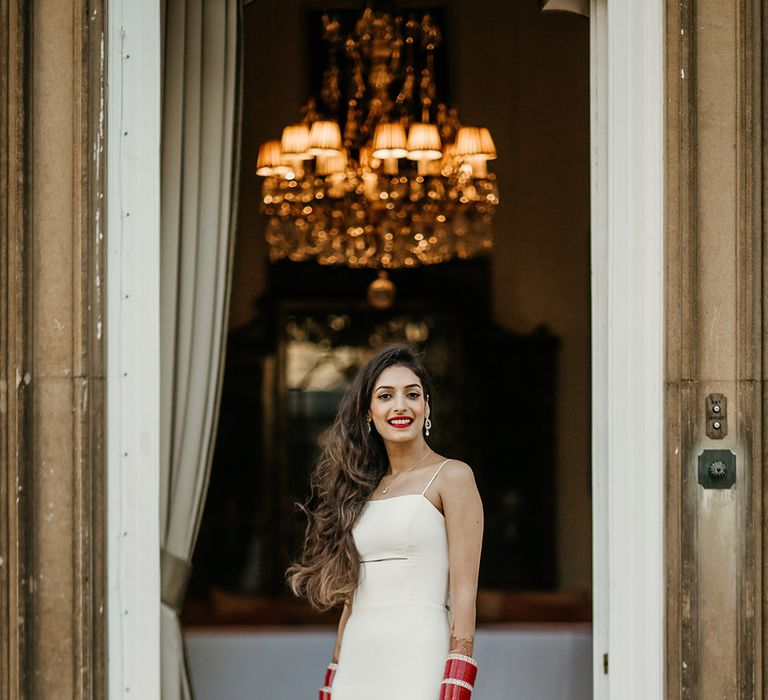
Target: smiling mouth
x=400, y=422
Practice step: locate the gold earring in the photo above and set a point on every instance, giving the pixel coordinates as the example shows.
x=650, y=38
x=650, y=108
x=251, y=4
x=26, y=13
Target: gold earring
x=427, y=425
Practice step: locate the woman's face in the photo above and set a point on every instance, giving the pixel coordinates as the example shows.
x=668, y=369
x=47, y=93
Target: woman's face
x=398, y=404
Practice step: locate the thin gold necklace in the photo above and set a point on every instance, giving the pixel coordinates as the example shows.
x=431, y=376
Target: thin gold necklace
x=429, y=449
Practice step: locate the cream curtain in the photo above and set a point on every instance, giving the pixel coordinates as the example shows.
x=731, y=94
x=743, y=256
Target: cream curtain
x=201, y=88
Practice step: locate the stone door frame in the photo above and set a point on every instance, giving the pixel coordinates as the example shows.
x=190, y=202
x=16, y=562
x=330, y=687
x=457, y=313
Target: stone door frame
x=715, y=344
x=52, y=382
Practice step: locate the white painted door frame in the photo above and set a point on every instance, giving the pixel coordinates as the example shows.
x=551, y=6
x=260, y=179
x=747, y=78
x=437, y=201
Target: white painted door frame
x=627, y=331
x=133, y=348
x=627, y=105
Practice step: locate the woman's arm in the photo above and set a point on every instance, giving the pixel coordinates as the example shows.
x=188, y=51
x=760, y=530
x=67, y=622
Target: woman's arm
x=340, y=634
x=464, y=524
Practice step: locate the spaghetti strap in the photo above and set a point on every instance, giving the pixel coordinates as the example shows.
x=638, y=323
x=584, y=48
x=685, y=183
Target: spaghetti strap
x=434, y=475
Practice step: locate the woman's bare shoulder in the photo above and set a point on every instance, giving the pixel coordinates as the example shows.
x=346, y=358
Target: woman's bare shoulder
x=457, y=481
x=459, y=493
x=458, y=473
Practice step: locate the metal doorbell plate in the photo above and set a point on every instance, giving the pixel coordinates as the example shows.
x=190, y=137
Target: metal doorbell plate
x=717, y=469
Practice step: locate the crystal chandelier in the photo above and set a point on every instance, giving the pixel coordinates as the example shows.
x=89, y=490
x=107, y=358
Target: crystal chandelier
x=379, y=175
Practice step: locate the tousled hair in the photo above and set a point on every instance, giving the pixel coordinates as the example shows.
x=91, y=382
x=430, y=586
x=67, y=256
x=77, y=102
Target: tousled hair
x=351, y=464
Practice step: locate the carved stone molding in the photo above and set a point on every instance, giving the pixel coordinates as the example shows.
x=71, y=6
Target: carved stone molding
x=52, y=593
x=714, y=325
x=14, y=351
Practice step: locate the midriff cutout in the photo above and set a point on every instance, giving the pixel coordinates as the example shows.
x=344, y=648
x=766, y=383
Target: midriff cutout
x=368, y=561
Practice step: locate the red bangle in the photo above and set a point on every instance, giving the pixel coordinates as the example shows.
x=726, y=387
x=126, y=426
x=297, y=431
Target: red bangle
x=459, y=677
x=461, y=667
x=450, y=689
x=330, y=672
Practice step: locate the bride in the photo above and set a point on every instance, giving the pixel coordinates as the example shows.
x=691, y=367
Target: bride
x=394, y=534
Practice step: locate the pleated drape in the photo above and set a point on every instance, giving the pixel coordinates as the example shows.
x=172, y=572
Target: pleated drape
x=200, y=134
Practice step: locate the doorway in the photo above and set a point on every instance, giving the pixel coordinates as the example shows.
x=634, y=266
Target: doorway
x=516, y=320
x=627, y=272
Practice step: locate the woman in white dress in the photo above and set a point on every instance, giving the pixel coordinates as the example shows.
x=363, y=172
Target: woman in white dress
x=394, y=534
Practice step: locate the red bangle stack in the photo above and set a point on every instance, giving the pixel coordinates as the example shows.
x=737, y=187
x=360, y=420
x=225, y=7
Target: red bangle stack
x=459, y=677
x=325, y=691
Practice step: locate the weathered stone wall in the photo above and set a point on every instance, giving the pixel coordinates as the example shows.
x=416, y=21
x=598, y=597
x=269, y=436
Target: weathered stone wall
x=714, y=307
x=52, y=407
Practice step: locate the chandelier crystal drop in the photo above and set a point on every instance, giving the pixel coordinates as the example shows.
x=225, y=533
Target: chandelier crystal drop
x=379, y=174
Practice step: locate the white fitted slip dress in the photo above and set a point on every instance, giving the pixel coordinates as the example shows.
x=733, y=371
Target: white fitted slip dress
x=397, y=636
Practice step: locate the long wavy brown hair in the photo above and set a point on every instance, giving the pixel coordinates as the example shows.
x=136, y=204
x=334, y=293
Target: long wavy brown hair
x=350, y=466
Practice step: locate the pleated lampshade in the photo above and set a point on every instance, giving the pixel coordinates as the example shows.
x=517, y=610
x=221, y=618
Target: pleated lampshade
x=295, y=142
x=389, y=141
x=270, y=160
x=424, y=142
x=324, y=139
x=474, y=141
x=487, y=144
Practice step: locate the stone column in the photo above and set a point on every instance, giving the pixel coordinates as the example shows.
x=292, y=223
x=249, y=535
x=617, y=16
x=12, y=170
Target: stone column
x=714, y=320
x=52, y=409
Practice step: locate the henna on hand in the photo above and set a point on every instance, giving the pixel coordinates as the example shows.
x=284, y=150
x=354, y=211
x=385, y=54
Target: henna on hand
x=461, y=645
